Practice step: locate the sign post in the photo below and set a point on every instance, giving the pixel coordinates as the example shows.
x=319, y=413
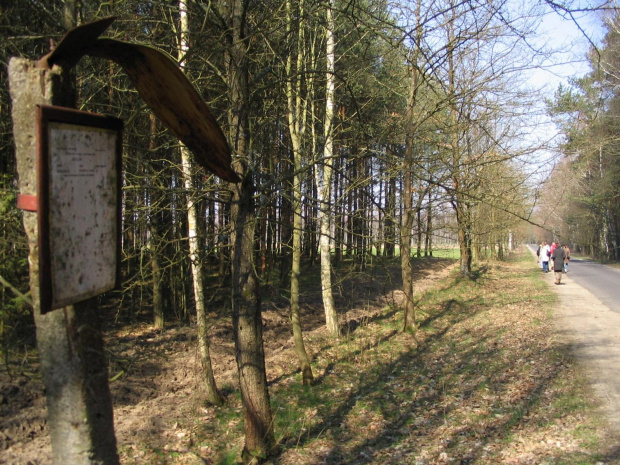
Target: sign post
x=73, y=220
x=69, y=339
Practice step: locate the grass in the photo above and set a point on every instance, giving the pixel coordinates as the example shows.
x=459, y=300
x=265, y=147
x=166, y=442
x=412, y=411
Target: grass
x=451, y=251
x=484, y=380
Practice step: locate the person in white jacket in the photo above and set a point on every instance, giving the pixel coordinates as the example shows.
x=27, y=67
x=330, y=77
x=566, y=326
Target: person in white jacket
x=545, y=252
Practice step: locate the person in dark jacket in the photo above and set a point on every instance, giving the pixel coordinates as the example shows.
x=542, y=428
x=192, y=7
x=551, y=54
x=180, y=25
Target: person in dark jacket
x=558, y=255
x=567, y=259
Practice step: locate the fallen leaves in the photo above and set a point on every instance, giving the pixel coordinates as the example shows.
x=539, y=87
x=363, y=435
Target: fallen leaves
x=485, y=382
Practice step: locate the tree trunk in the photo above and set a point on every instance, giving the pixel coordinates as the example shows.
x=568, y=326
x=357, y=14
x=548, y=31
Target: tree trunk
x=406, y=226
x=419, y=233
x=337, y=217
x=245, y=295
x=70, y=343
x=428, y=244
x=300, y=348
x=390, y=214
x=405, y=256
x=465, y=242
x=195, y=253
x=158, y=294
x=248, y=329
x=458, y=183
x=295, y=115
x=324, y=184
x=155, y=246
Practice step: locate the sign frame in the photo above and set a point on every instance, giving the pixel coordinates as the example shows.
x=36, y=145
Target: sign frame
x=93, y=156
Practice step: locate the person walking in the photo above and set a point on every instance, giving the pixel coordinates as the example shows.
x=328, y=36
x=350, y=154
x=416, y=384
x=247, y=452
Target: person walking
x=554, y=244
x=567, y=259
x=545, y=252
x=558, y=256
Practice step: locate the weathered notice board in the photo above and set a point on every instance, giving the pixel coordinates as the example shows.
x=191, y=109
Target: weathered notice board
x=79, y=204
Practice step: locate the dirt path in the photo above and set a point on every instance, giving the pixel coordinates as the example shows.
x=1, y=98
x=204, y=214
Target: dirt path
x=593, y=330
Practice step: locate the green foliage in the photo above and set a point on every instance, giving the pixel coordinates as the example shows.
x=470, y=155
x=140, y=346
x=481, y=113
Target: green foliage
x=16, y=323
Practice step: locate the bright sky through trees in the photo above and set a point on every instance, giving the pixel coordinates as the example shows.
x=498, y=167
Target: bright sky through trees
x=568, y=40
x=569, y=45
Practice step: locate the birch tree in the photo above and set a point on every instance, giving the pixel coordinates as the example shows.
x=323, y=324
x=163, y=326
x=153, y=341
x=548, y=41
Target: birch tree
x=324, y=172
x=195, y=254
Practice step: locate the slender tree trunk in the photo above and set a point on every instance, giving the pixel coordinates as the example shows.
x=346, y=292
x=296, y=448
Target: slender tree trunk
x=158, y=295
x=195, y=253
x=154, y=245
x=419, y=233
x=390, y=214
x=246, y=304
x=286, y=232
x=405, y=256
x=300, y=348
x=197, y=271
x=222, y=241
x=459, y=202
x=324, y=184
x=337, y=217
x=296, y=111
x=428, y=245
x=408, y=213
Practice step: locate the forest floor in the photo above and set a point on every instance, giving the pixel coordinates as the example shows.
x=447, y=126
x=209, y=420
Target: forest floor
x=487, y=379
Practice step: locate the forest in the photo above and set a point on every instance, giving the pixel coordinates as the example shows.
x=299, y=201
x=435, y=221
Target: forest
x=367, y=134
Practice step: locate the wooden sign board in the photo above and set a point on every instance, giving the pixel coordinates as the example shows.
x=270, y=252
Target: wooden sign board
x=79, y=204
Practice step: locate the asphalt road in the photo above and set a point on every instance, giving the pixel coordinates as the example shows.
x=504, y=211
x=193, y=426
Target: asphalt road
x=601, y=280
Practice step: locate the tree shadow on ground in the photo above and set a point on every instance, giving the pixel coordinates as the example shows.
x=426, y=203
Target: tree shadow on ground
x=333, y=419
x=419, y=394
x=360, y=297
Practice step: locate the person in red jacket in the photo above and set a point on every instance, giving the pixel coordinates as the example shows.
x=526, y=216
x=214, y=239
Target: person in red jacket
x=554, y=244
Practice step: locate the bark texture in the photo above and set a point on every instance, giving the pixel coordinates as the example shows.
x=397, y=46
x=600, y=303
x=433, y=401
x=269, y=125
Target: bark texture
x=248, y=330
x=246, y=304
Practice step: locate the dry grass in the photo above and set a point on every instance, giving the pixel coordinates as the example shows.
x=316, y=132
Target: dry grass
x=485, y=381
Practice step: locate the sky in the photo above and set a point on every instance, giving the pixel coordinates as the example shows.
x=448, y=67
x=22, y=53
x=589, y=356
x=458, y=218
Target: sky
x=567, y=62
x=571, y=46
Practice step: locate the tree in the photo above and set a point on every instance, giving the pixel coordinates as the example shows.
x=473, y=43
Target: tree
x=324, y=172
x=196, y=255
x=297, y=114
x=586, y=114
x=246, y=304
